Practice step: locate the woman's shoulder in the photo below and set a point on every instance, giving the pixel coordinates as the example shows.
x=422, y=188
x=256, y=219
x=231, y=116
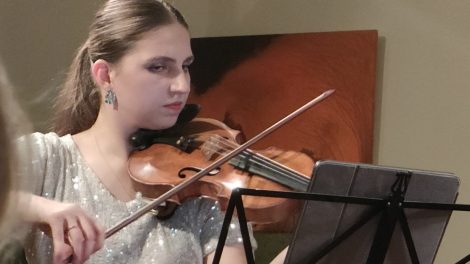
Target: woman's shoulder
x=41, y=157
x=46, y=144
x=49, y=139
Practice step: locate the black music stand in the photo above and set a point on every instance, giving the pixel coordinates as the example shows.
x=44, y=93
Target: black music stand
x=391, y=207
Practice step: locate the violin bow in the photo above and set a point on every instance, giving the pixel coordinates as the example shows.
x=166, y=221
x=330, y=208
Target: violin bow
x=162, y=198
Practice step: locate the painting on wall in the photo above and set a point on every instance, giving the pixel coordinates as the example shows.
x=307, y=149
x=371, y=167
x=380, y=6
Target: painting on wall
x=251, y=82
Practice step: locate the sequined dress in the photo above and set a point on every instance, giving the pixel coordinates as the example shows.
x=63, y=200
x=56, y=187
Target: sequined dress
x=187, y=237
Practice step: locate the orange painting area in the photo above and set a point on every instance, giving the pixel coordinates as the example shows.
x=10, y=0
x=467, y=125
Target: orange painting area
x=251, y=82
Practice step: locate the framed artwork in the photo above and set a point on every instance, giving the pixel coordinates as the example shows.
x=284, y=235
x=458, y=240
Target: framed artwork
x=250, y=82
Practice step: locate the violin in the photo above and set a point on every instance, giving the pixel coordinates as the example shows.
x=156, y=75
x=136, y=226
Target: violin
x=215, y=166
x=169, y=158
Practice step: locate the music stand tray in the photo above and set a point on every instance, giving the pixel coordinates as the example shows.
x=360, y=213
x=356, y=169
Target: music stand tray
x=332, y=232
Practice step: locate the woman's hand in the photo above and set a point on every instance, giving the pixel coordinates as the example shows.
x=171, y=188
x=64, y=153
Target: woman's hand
x=76, y=235
x=280, y=258
x=230, y=255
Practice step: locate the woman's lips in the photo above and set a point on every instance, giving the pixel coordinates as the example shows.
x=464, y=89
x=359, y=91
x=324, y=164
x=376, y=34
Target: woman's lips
x=174, y=106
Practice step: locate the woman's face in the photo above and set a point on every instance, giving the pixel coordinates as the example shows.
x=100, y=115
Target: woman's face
x=152, y=80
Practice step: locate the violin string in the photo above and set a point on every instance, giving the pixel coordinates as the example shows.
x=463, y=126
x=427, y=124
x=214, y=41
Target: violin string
x=216, y=147
x=255, y=158
x=266, y=163
x=261, y=161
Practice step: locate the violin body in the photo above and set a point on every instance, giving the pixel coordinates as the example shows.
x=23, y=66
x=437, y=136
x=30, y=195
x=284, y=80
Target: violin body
x=176, y=156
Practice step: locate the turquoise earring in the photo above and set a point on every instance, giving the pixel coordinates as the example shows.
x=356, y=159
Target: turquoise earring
x=110, y=97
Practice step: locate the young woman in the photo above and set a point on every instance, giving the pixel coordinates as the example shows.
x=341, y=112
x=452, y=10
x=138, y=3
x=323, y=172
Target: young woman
x=131, y=73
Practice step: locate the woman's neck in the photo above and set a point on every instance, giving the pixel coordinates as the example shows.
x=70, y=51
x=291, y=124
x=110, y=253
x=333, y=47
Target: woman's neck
x=105, y=147
x=114, y=136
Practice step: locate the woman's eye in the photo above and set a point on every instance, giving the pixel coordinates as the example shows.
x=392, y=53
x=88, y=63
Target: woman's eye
x=157, y=68
x=186, y=67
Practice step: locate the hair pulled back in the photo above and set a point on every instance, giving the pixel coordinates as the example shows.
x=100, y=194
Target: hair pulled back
x=117, y=26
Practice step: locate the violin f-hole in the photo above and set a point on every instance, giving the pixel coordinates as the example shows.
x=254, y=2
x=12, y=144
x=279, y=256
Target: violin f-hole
x=182, y=175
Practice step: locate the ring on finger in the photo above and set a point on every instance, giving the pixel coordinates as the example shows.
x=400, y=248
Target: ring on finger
x=72, y=227
x=67, y=231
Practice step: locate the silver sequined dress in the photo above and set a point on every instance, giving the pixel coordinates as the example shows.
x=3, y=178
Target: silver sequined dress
x=189, y=235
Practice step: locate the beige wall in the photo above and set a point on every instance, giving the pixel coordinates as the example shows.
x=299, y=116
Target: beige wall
x=423, y=88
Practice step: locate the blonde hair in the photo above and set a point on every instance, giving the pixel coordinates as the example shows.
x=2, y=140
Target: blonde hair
x=117, y=26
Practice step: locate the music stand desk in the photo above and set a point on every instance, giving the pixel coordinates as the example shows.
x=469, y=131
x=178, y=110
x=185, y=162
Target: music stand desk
x=351, y=214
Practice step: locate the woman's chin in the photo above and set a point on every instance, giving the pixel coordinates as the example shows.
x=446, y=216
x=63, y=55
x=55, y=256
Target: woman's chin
x=162, y=124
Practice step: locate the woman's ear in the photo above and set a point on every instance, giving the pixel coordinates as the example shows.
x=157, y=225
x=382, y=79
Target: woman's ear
x=100, y=71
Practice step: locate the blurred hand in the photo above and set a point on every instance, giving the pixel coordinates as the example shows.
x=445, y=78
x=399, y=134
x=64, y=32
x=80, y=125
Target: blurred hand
x=76, y=235
x=280, y=258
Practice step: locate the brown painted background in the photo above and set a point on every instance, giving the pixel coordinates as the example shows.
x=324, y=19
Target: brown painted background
x=250, y=82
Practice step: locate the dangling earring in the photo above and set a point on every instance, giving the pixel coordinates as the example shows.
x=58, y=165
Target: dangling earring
x=110, y=97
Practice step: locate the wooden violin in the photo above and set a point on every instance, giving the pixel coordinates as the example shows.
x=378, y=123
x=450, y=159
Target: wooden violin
x=177, y=154
x=183, y=186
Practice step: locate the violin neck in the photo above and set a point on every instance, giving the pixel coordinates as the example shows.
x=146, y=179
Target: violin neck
x=256, y=164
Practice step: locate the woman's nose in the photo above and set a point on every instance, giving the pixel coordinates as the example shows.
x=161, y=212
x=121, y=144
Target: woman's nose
x=181, y=83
